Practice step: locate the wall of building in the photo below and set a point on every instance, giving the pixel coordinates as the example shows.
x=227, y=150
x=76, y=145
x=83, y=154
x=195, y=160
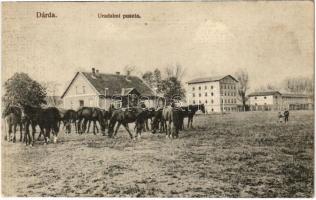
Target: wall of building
x=228, y=94
x=279, y=102
x=73, y=102
x=205, y=93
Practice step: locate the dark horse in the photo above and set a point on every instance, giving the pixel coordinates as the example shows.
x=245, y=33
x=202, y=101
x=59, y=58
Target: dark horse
x=126, y=116
x=286, y=116
x=172, y=117
x=93, y=114
x=157, y=120
x=189, y=112
x=46, y=118
x=69, y=118
x=13, y=116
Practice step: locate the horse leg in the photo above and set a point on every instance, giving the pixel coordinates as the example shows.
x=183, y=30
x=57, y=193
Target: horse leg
x=14, y=133
x=117, y=128
x=188, y=121
x=94, y=127
x=192, y=122
x=33, y=133
x=21, y=133
x=146, y=125
x=28, y=134
x=27, y=131
x=129, y=132
x=55, y=133
x=9, y=132
x=84, y=126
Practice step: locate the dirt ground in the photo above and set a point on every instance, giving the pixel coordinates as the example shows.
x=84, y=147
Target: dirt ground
x=231, y=155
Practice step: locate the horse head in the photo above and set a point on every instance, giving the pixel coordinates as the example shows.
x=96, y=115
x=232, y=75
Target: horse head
x=202, y=108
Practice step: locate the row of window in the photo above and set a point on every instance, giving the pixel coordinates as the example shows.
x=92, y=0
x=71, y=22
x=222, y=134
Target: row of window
x=206, y=102
x=226, y=86
x=212, y=101
x=212, y=94
x=229, y=100
x=205, y=87
x=229, y=109
x=228, y=93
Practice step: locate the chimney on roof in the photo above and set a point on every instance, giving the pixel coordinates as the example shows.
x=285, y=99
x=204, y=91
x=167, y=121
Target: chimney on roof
x=97, y=72
x=93, y=70
x=117, y=73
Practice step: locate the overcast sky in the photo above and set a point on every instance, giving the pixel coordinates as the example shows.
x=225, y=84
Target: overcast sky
x=271, y=40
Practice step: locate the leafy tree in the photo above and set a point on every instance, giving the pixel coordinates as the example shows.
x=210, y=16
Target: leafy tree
x=171, y=87
x=243, y=85
x=21, y=90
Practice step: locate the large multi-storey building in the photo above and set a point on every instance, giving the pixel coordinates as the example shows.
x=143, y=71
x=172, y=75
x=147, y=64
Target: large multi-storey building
x=218, y=94
x=275, y=100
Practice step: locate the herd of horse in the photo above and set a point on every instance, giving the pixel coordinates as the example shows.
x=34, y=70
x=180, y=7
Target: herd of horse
x=168, y=119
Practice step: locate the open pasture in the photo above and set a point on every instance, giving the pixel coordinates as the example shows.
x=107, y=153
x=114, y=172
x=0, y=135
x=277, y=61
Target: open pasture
x=231, y=155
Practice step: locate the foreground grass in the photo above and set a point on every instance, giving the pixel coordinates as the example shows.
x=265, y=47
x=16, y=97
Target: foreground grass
x=231, y=155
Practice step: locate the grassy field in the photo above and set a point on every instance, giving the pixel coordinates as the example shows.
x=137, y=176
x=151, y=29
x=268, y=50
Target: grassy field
x=230, y=155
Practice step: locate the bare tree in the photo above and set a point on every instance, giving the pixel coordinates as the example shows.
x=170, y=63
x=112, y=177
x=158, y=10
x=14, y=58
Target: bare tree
x=303, y=85
x=176, y=71
x=243, y=85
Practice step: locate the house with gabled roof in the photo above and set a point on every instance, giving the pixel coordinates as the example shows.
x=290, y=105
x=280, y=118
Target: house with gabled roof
x=217, y=93
x=95, y=89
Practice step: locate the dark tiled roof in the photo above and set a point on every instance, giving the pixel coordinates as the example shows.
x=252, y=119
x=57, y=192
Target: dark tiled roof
x=209, y=79
x=265, y=93
x=115, y=83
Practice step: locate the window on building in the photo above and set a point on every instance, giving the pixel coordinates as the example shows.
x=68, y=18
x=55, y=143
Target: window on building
x=265, y=97
x=222, y=100
x=212, y=110
x=225, y=94
x=228, y=100
x=76, y=89
x=193, y=88
x=199, y=87
x=81, y=103
x=199, y=94
x=193, y=101
x=205, y=101
x=205, y=87
x=255, y=97
x=224, y=86
x=211, y=86
x=212, y=101
x=206, y=94
x=212, y=94
x=193, y=94
x=225, y=100
x=199, y=101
